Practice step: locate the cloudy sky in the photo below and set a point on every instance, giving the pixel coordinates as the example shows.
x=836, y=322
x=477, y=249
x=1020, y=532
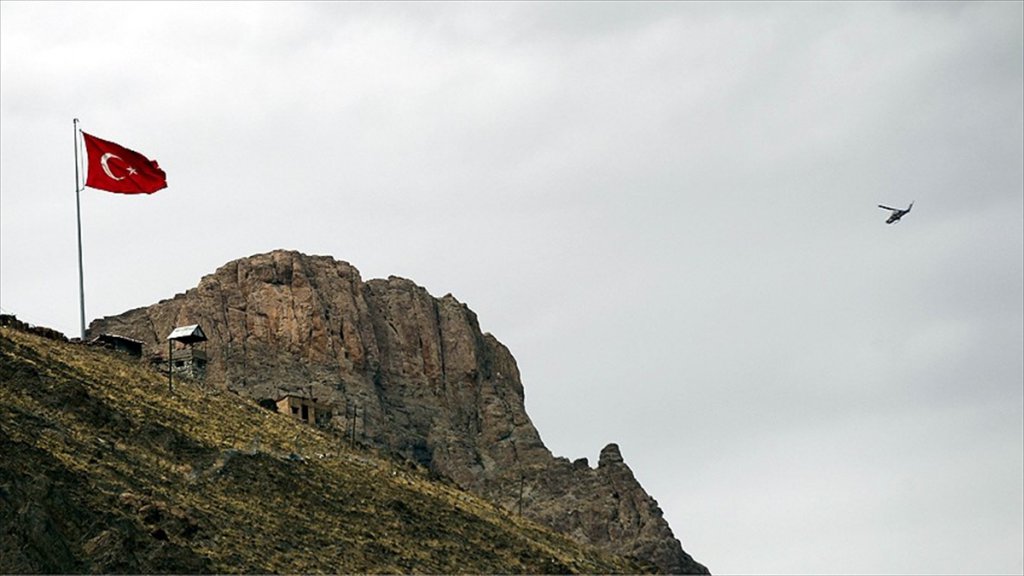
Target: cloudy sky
x=667, y=211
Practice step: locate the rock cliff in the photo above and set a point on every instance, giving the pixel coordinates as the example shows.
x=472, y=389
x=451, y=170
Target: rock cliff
x=409, y=374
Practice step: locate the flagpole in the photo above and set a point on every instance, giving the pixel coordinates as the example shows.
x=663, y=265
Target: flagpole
x=78, y=214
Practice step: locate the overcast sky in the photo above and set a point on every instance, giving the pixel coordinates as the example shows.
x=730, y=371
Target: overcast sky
x=667, y=211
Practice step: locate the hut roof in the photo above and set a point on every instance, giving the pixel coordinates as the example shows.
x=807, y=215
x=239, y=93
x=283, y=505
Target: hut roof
x=188, y=334
x=116, y=338
x=280, y=397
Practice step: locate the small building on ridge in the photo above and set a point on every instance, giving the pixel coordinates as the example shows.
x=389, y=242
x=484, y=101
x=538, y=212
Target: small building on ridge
x=186, y=358
x=304, y=408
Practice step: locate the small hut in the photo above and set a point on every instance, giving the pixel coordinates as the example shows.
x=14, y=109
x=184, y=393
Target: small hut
x=185, y=358
x=304, y=408
x=119, y=343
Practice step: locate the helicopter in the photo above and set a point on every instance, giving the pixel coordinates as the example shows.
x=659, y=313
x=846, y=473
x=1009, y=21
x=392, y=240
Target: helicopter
x=897, y=213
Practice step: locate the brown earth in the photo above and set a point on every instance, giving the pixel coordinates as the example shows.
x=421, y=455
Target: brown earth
x=105, y=470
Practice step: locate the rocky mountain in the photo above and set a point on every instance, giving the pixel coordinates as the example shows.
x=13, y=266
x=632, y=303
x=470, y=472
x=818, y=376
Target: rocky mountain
x=107, y=469
x=409, y=374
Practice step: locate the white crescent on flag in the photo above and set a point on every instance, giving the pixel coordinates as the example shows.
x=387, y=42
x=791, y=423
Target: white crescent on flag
x=103, y=162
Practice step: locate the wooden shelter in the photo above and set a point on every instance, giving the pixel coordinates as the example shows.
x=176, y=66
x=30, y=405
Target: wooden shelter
x=129, y=346
x=186, y=358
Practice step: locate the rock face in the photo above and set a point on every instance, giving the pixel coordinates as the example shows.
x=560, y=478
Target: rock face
x=406, y=373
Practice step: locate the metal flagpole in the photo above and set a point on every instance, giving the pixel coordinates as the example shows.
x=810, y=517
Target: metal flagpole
x=78, y=214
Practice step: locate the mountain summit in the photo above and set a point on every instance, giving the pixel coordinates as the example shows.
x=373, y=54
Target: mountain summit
x=405, y=373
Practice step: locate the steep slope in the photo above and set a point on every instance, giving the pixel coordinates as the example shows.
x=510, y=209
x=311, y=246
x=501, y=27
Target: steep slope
x=106, y=470
x=409, y=374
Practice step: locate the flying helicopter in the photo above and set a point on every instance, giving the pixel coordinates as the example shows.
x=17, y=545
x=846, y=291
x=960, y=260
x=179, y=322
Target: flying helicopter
x=897, y=213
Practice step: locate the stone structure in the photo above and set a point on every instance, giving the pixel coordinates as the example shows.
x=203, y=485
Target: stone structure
x=302, y=408
x=430, y=386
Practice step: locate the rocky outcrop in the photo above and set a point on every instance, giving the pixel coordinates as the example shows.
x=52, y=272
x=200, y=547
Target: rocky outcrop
x=406, y=373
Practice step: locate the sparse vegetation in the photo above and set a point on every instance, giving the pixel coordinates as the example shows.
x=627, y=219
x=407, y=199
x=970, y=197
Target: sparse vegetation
x=106, y=470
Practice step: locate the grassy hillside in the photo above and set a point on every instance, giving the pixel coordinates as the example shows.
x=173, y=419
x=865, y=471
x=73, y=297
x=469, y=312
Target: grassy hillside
x=105, y=470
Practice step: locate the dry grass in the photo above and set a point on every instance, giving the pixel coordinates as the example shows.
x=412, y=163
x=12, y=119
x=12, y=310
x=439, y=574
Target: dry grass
x=196, y=480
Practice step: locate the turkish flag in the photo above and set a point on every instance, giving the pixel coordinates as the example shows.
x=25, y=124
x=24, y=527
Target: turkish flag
x=114, y=168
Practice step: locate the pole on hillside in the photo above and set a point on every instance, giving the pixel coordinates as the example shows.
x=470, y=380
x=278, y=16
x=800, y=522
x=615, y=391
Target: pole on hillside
x=170, y=365
x=78, y=217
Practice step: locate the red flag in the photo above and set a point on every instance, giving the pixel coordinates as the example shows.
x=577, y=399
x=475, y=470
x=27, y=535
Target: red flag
x=114, y=168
